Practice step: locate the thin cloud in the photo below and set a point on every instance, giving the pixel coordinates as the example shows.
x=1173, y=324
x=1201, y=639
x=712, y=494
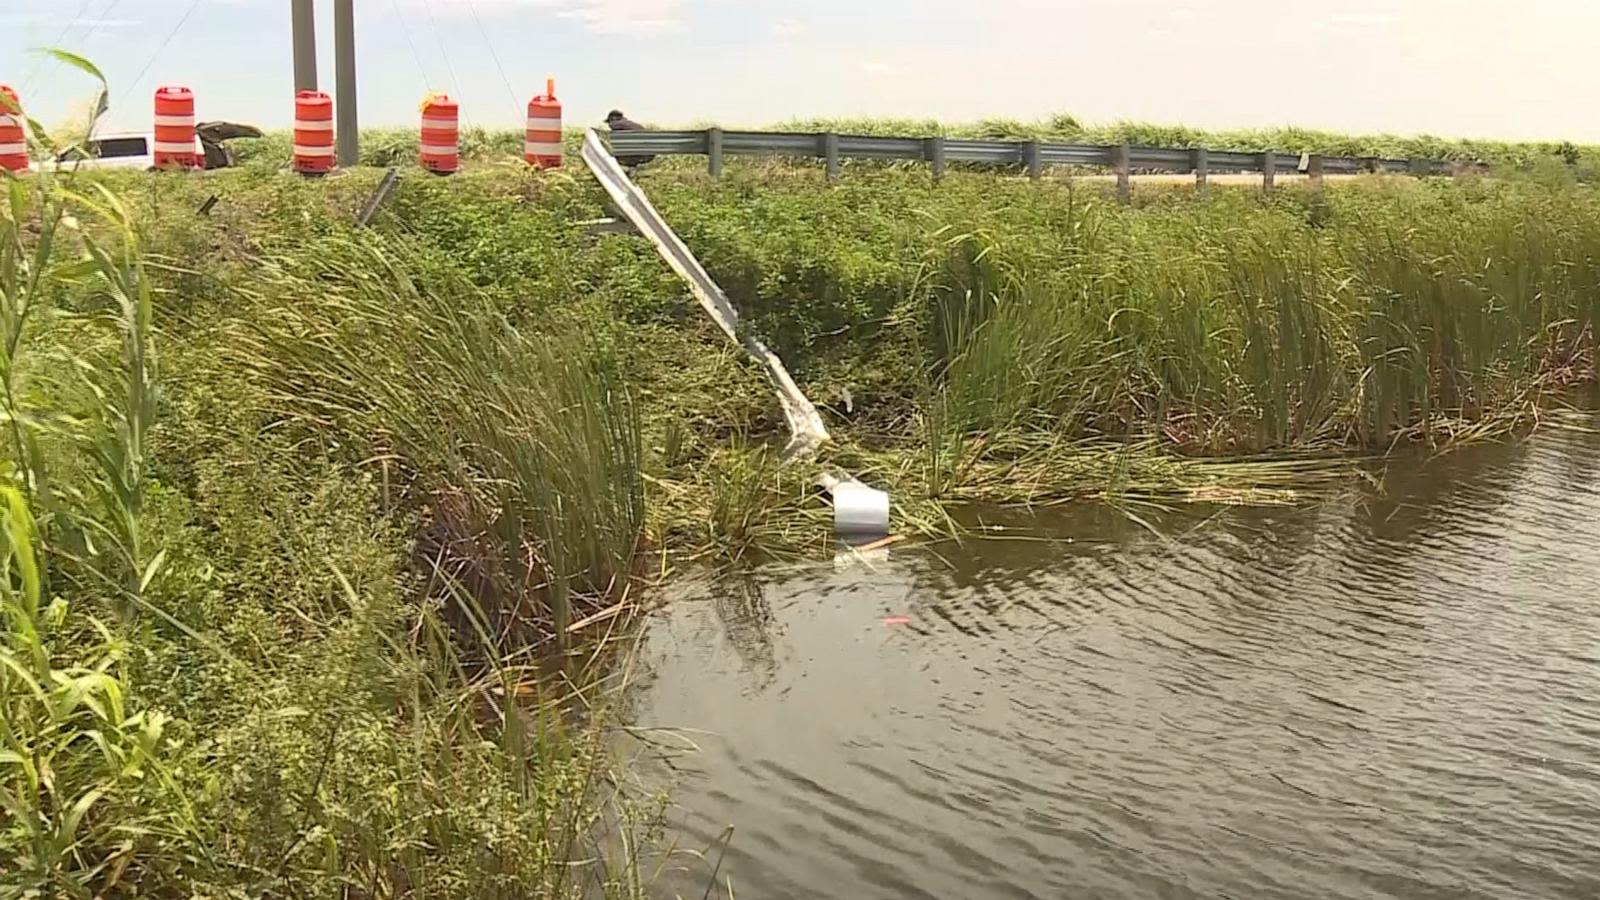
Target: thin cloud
x=641, y=17
x=1363, y=19
x=790, y=28
x=53, y=20
x=636, y=17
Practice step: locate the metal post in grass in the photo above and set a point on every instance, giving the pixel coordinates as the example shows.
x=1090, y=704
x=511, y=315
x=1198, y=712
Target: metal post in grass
x=1269, y=171
x=933, y=149
x=1202, y=170
x=370, y=208
x=1314, y=170
x=1125, y=173
x=714, y=152
x=830, y=155
x=1033, y=153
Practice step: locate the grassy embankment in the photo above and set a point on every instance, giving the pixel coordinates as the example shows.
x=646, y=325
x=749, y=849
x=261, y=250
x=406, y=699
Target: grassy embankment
x=307, y=505
x=1088, y=336
x=288, y=542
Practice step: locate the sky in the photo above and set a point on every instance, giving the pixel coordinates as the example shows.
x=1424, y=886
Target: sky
x=1459, y=68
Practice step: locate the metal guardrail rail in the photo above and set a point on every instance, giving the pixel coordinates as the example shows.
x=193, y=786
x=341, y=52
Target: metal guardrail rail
x=1032, y=156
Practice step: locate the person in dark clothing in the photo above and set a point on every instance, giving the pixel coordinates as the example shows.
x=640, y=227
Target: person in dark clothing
x=619, y=122
x=616, y=121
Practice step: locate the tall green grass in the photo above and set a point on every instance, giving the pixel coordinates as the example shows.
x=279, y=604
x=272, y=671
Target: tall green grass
x=87, y=778
x=522, y=448
x=1411, y=318
x=220, y=671
x=1383, y=310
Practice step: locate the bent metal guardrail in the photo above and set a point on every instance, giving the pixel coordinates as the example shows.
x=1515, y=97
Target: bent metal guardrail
x=807, y=432
x=857, y=509
x=1033, y=156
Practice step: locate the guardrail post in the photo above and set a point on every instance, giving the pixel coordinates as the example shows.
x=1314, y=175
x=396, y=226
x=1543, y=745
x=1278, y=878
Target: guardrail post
x=370, y=208
x=1202, y=170
x=933, y=149
x=1033, y=153
x=1314, y=170
x=830, y=155
x=714, y=152
x=1269, y=171
x=1125, y=173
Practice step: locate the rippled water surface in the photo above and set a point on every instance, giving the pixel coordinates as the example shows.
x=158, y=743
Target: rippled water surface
x=1386, y=697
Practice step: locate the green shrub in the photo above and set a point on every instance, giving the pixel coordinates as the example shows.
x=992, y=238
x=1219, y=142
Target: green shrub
x=229, y=675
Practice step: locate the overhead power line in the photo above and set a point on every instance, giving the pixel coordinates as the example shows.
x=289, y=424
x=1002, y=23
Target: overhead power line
x=154, y=56
x=439, y=39
x=510, y=91
x=33, y=70
x=422, y=71
x=101, y=20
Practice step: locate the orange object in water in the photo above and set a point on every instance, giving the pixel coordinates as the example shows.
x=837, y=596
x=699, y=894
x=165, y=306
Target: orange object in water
x=313, y=133
x=174, y=131
x=13, y=141
x=441, y=135
x=542, y=144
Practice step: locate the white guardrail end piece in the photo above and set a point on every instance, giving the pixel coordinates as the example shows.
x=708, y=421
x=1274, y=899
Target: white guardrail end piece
x=859, y=510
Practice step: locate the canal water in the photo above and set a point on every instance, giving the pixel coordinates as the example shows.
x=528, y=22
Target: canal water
x=1394, y=695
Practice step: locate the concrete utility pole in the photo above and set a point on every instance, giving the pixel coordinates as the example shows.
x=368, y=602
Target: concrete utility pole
x=344, y=82
x=305, y=45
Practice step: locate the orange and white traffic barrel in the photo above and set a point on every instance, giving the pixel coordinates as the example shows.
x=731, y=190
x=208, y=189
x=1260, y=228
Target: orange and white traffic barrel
x=313, y=133
x=441, y=134
x=13, y=140
x=542, y=144
x=174, y=131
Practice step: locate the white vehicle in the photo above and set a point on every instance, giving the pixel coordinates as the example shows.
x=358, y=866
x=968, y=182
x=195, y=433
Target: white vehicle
x=133, y=149
x=106, y=151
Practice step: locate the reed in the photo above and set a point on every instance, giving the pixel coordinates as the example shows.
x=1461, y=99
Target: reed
x=87, y=775
x=1266, y=334
x=523, y=448
x=178, y=712
x=219, y=676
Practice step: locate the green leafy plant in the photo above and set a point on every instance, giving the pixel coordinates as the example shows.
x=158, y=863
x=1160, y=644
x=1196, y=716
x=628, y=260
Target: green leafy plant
x=90, y=801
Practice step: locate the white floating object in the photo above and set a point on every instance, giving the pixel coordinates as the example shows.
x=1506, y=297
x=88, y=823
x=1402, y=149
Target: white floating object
x=858, y=509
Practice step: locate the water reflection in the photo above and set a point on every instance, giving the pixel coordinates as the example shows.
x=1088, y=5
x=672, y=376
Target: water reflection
x=1394, y=696
x=747, y=624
